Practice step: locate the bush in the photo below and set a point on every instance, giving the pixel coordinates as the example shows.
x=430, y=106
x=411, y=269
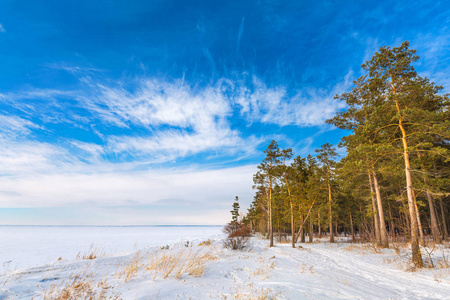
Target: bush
x=238, y=236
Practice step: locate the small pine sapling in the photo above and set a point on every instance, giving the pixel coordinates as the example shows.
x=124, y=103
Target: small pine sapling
x=238, y=232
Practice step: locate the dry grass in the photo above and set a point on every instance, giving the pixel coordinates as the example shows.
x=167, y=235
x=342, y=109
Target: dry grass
x=80, y=288
x=205, y=243
x=130, y=271
x=92, y=253
x=247, y=292
x=180, y=263
x=265, y=268
x=306, y=268
x=343, y=280
x=6, y=273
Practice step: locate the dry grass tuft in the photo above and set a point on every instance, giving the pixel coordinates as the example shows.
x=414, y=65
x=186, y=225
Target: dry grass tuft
x=131, y=270
x=247, y=292
x=264, y=270
x=179, y=264
x=80, y=288
x=92, y=253
x=205, y=243
x=305, y=268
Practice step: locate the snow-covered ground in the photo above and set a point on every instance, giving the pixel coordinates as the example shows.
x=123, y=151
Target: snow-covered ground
x=207, y=271
x=30, y=246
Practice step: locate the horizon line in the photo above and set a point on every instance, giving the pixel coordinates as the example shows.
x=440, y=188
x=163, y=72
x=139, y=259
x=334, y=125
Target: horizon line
x=93, y=225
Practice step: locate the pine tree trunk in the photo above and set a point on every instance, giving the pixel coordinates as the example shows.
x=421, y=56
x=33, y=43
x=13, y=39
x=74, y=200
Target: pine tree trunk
x=303, y=239
x=330, y=213
x=292, y=226
x=279, y=232
x=383, y=232
x=407, y=220
x=270, y=216
x=444, y=221
x=302, y=231
x=310, y=230
x=375, y=211
x=391, y=223
x=416, y=254
x=336, y=229
x=437, y=238
x=415, y=249
x=352, y=228
x=320, y=228
x=291, y=206
x=419, y=223
x=362, y=226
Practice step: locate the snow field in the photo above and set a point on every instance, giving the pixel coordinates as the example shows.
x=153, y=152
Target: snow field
x=202, y=269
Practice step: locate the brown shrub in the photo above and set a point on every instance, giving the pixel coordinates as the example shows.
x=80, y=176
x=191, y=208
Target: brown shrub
x=238, y=236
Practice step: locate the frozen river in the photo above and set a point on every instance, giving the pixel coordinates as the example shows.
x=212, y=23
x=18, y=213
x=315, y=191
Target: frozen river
x=29, y=246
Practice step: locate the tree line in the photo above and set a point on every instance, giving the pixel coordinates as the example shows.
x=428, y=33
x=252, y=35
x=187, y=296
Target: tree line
x=392, y=183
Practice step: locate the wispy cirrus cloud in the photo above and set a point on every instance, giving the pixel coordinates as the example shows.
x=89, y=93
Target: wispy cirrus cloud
x=163, y=120
x=12, y=126
x=157, y=102
x=433, y=49
x=309, y=107
x=179, y=120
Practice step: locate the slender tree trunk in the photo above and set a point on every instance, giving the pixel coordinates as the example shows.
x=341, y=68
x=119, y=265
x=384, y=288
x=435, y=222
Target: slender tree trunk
x=292, y=225
x=383, y=231
x=362, y=226
x=291, y=206
x=310, y=230
x=270, y=216
x=444, y=221
x=391, y=223
x=437, y=238
x=419, y=223
x=279, y=232
x=302, y=231
x=416, y=254
x=303, y=239
x=330, y=213
x=407, y=220
x=320, y=228
x=376, y=218
x=352, y=228
x=415, y=249
x=336, y=229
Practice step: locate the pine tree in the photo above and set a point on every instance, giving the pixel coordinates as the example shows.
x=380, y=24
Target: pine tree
x=394, y=111
x=326, y=157
x=235, y=210
x=265, y=179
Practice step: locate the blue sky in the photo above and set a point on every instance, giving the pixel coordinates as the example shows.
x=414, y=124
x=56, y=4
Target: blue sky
x=157, y=112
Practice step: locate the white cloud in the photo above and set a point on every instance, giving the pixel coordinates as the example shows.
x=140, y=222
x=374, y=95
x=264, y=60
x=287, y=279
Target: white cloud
x=29, y=157
x=159, y=121
x=170, y=145
x=13, y=126
x=310, y=107
x=433, y=50
x=208, y=189
x=180, y=120
x=161, y=103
